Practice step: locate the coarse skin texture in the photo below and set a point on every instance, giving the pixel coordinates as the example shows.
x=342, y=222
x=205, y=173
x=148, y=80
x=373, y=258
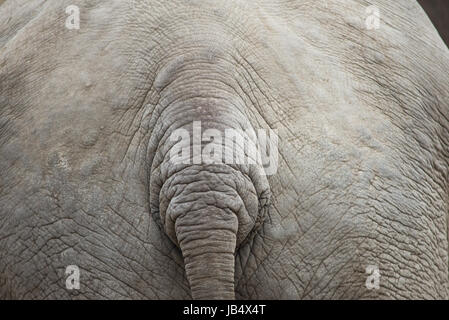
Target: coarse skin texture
x=363, y=123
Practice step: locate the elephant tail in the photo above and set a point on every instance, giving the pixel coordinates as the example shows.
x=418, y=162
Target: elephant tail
x=208, y=246
x=208, y=211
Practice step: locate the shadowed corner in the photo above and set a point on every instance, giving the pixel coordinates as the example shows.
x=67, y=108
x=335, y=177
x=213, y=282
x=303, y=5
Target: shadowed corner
x=438, y=12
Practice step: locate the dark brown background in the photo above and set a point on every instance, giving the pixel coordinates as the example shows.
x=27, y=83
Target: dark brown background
x=438, y=11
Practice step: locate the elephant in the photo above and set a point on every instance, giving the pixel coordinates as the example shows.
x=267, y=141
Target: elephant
x=102, y=195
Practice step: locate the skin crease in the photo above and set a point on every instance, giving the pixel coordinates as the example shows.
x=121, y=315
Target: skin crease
x=362, y=118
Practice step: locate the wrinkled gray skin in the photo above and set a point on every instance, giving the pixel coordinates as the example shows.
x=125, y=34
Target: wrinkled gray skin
x=85, y=115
